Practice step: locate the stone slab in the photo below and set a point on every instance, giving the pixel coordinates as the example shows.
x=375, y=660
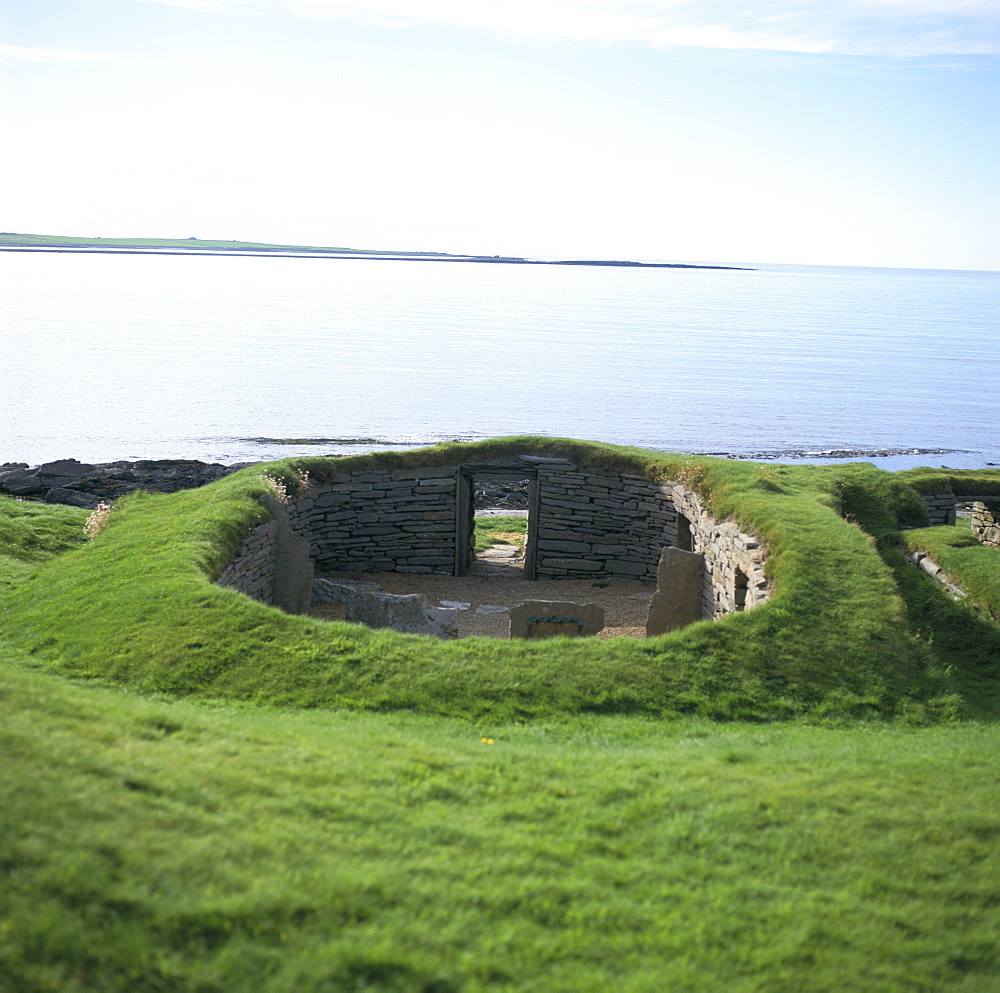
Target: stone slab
x=553, y=618
x=407, y=613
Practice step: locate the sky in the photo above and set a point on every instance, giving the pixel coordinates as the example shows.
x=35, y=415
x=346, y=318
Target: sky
x=849, y=132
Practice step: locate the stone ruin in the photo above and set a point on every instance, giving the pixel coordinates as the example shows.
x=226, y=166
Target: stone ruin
x=942, y=509
x=583, y=523
x=986, y=522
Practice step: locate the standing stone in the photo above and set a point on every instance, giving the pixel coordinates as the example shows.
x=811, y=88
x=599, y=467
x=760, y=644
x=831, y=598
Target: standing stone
x=677, y=600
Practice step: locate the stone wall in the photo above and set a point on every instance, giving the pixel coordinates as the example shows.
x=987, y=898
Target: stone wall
x=401, y=520
x=985, y=514
x=272, y=564
x=940, y=508
x=986, y=522
x=734, y=560
x=252, y=568
x=593, y=523
x=586, y=524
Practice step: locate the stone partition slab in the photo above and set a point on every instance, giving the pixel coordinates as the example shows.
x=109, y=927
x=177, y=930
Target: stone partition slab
x=676, y=603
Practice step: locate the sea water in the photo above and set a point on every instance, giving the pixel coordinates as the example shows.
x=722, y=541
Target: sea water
x=226, y=359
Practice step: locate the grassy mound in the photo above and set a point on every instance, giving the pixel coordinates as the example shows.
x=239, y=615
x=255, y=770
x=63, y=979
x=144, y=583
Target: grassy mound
x=150, y=843
x=137, y=606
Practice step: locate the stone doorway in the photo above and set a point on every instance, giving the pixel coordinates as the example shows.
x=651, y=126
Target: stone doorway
x=498, y=560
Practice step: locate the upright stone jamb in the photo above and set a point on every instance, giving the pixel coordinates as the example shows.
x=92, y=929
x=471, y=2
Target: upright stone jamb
x=676, y=603
x=293, y=568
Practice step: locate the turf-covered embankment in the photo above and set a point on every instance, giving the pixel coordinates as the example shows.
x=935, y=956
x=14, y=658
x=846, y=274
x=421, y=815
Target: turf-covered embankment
x=963, y=635
x=137, y=607
x=162, y=844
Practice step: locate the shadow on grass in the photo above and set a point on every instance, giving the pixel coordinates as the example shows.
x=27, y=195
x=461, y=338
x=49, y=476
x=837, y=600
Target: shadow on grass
x=965, y=644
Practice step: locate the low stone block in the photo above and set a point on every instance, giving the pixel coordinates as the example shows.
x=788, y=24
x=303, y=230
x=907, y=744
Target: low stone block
x=554, y=618
x=407, y=613
x=442, y=622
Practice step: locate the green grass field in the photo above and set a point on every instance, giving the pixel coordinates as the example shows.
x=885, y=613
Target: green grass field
x=201, y=794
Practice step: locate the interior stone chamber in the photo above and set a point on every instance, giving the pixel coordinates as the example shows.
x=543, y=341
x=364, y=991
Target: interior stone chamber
x=583, y=523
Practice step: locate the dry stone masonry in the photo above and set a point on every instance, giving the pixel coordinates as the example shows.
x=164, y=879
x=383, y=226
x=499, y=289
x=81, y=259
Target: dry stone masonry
x=735, y=577
x=941, y=510
x=595, y=523
x=381, y=521
x=986, y=522
x=272, y=564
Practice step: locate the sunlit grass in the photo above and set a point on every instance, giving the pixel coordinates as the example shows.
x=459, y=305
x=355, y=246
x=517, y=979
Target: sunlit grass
x=157, y=845
x=500, y=530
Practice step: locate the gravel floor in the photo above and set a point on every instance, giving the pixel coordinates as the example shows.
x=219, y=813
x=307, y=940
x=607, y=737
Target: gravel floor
x=498, y=581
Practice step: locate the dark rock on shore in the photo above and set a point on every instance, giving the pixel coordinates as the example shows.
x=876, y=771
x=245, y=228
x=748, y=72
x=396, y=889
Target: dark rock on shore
x=498, y=494
x=81, y=484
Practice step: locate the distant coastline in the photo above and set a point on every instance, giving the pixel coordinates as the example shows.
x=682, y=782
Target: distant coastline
x=249, y=249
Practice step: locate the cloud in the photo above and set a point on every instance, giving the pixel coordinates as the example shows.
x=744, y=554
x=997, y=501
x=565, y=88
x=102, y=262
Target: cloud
x=888, y=28
x=21, y=54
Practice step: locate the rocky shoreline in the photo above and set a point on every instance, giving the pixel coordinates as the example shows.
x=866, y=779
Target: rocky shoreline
x=81, y=484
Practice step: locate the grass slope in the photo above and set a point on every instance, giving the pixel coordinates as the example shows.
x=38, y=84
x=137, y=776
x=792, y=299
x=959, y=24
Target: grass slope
x=155, y=845
x=137, y=606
